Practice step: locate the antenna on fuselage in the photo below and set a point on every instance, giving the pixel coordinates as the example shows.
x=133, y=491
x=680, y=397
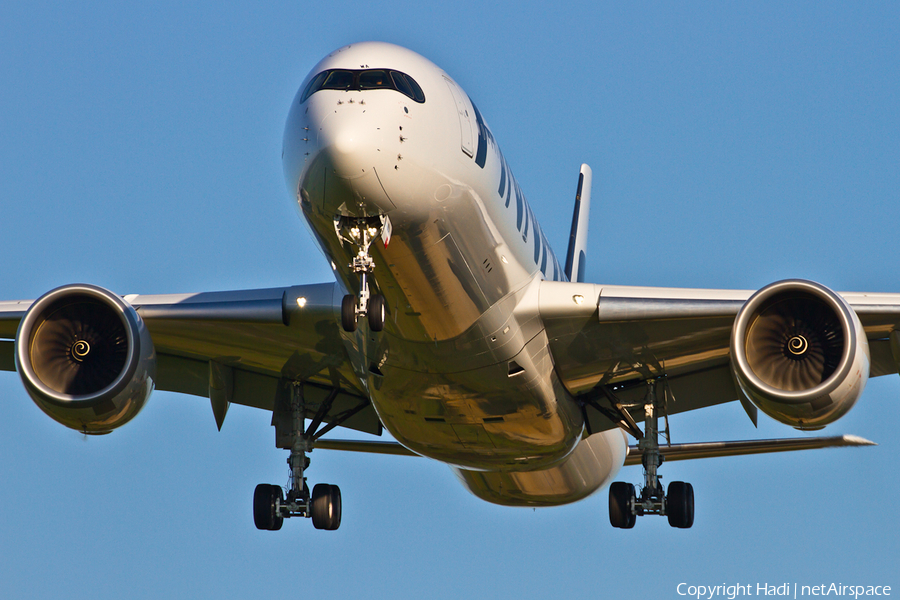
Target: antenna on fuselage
x=575, y=258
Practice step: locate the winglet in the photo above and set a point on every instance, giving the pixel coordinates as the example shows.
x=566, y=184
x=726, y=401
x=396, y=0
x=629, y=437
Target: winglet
x=575, y=259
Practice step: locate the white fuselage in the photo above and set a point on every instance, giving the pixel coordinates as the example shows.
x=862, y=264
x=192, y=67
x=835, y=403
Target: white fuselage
x=457, y=374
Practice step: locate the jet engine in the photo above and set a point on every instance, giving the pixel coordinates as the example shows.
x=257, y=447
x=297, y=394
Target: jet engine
x=799, y=353
x=85, y=358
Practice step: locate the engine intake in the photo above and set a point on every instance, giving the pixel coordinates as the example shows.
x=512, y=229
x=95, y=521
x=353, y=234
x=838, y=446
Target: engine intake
x=799, y=353
x=85, y=358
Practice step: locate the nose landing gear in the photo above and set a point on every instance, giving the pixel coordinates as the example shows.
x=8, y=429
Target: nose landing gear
x=361, y=232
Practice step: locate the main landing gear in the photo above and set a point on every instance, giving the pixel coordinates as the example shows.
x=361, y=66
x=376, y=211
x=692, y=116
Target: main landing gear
x=361, y=232
x=625, y=505
x=271, y=507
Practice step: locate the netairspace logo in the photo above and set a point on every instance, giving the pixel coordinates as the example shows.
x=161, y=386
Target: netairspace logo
x=789, y=590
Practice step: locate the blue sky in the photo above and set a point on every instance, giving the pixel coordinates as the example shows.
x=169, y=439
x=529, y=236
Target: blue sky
x=732, y=144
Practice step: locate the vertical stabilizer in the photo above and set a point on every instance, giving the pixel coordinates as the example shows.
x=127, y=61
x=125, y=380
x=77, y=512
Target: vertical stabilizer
x=575, y=259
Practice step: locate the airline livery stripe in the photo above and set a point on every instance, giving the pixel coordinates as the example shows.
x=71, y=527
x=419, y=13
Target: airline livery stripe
x=481, y=153
x=507, y=187
x=518, y=205
x=508, y=184
x=527, y=220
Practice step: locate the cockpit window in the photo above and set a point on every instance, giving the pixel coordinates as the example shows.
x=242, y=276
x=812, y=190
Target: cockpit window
x=402, y=84
x=369, y=79
x=338, y=80
x=408, y=86
x=418, y=94
x=314, y=84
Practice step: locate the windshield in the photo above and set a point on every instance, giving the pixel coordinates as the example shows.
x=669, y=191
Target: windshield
x=368, y=79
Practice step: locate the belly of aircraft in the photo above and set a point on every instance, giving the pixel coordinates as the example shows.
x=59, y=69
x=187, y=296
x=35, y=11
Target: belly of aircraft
x=593, y=463
x=483, y=414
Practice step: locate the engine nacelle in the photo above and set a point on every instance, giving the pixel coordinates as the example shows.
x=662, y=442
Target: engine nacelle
x=799, y=353
x=86, y=358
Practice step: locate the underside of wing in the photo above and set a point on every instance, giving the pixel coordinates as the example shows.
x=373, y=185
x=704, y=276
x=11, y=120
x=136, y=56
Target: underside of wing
x=607, y=341
x=794, y=349
x=90, y=358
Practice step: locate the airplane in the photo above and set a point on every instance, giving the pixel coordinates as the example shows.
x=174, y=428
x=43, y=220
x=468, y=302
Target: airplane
x=452, y=325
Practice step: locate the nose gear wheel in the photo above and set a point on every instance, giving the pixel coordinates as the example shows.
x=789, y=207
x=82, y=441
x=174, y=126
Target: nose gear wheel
x=361, y=232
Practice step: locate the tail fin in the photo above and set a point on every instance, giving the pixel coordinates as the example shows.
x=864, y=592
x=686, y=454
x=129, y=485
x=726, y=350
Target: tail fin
x=575, y=259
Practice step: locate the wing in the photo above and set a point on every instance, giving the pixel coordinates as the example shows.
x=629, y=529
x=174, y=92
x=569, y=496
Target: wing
x=244, y=347
x=614, y=338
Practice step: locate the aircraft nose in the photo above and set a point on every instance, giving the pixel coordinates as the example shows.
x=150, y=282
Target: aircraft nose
x=352, y=141
x=346, y=144
x=353, y=149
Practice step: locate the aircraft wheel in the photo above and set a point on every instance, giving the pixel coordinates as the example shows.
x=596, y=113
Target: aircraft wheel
x=325, y=507
x=680, y=504
x=376, y=312
x=264, y=502
x=336, y=504
x=348, y=313
x=621, y=495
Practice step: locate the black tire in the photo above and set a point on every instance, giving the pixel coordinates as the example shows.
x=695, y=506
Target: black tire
x=680, y=504
x=620, y=515
x=336, y=507
x=375, y=312
x=264, y=497
x=348, y=313
x=325, y=506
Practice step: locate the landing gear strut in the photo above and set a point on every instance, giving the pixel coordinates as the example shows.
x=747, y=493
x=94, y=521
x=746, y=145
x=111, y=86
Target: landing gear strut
x=625, y=505
x=361, y=232
x=271, y=507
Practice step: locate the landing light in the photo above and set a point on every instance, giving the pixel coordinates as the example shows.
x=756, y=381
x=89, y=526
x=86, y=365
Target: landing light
x=301, y=302
x=578, y=298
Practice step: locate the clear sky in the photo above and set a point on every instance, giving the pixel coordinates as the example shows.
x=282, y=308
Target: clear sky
x=732, y=144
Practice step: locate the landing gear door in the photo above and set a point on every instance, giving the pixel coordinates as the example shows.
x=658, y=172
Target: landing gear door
x=466, y=126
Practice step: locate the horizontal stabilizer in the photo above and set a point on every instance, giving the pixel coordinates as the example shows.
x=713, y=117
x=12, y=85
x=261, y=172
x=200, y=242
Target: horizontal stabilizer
x=363, y=446
x=740, y=448
x=673, y=452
